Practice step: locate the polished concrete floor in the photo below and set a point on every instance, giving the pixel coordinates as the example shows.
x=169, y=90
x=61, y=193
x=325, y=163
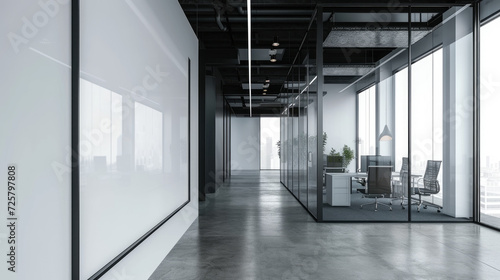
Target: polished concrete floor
x=252, y=228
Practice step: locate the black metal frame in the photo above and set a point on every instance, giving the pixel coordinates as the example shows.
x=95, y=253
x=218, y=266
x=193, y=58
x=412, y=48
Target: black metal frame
x=477, y=109
x=409, y=111
x=476, y=195
x=75, y=139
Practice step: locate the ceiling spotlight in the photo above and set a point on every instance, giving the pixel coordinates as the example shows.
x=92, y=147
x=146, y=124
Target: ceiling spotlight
x=265, y=89
x=273, y=58
x=267, y=80
x=264, y=93
x=275, y=42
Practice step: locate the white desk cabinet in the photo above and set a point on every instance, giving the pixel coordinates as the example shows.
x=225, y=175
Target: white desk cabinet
x=338, y=189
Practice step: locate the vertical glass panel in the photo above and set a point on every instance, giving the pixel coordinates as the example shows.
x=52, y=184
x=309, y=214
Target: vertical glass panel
x=427, y=116
x=283, y=148
x=401, y=117
x=269, y=137
x=363, y=49
x=366, y=125
x=303, y=141
x=289, y=144
x=312, y=136
x=490, y=113
x=400, y=179
x=295, y=143
x=441, y=120
x=281, y=152
x=311, y=110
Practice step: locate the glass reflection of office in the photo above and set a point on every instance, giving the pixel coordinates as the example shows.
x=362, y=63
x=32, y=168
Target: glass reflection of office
x=148, y=138
x=103, y=116
x=101, y=128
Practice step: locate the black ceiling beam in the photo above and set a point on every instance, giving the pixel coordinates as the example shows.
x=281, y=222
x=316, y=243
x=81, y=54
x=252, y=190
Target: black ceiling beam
x=387, y=4
x=328, y=3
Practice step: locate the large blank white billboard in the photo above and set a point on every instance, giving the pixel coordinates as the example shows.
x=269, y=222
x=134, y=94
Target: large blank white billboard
x=133, y=126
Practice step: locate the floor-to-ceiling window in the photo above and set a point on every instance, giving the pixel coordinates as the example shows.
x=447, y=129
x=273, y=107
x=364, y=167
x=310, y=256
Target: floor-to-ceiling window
x=269, y=137
x=490, y=113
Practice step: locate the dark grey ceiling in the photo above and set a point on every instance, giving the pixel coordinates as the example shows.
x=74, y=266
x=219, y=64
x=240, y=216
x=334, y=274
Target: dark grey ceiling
x=221, y=28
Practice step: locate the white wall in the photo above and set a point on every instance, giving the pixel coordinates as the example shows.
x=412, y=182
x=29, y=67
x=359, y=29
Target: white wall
x=339, y=119
x=35, y=125
x=245, y=143
x=35, y=129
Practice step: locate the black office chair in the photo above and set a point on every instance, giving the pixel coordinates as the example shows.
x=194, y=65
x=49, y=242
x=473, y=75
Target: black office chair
x=429, y=185
x=378, y=185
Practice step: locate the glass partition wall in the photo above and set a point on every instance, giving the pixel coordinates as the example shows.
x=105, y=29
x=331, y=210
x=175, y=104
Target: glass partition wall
x=417, y=120
x=299, y=135
x=394, y=120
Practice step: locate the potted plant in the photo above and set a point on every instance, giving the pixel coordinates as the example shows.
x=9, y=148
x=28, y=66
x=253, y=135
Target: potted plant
x=278, y=144
x=348, y=155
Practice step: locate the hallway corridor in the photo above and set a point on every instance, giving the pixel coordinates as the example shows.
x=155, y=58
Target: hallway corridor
x=253, y=228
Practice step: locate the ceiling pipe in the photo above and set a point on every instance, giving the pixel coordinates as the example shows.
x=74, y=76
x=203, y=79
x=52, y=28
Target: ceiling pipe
x=261, y=19
x=218, y=19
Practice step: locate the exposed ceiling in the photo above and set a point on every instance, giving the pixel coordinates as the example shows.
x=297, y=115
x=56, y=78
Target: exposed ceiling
x=221, y=26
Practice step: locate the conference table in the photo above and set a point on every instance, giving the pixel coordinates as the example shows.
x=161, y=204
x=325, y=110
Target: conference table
x=339, y=186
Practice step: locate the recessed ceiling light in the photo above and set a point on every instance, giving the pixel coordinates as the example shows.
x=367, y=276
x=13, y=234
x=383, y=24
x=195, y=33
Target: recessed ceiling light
x=273, y=58
x=267, y=80
x=275, y=42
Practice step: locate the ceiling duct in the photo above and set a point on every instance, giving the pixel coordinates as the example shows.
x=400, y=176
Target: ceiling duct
x=294, y=84
x=346, y=70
